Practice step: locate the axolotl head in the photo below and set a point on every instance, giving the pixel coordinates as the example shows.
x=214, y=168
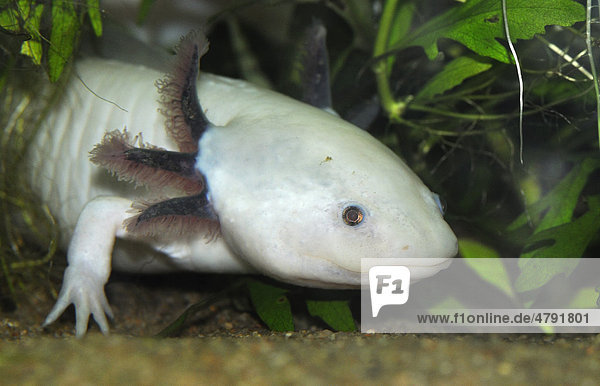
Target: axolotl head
x=305, y=195
x=296, y=192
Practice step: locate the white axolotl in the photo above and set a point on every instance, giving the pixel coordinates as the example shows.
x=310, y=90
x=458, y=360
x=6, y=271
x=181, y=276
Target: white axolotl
x=255, y=182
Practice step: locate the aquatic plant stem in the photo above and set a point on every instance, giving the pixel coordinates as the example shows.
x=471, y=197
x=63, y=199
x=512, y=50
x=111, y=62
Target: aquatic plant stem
x=588, y=42
x=392, y=107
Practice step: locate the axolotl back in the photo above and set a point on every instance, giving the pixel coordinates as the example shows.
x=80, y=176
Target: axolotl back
x=253, y=181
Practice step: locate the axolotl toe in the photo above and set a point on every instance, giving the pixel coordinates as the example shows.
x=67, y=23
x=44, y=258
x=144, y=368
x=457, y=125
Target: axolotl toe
x=253, y=182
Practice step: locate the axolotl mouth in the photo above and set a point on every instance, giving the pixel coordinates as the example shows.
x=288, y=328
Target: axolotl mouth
x=342, y=278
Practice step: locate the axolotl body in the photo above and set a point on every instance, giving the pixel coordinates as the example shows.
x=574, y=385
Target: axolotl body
x=254, y=182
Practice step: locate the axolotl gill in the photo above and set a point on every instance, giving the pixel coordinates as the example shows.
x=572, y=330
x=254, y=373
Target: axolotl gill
x=252, y=182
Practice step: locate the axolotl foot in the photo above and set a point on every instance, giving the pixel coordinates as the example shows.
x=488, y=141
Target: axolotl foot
x=89, y=257
x=86, y=293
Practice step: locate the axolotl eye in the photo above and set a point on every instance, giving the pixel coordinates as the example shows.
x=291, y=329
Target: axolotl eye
x=352, y=215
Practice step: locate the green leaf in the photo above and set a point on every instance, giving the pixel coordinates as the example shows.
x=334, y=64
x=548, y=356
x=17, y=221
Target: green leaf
x=570, y=241
x=453, y=74
x=336, y=313
x=62, y=37
x=491, y=270
x=93, y=7
x=478, y=23
x=560, y=202
x=8, y=20
x=472, y=249
x=33, y=46
x=33, y=49
x=25, y=18
x=537, y=272
x=271, y=305
x=31, y=15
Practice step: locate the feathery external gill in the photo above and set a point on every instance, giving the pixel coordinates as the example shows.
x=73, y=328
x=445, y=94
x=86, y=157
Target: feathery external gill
x=158, y=168
x=185, y=119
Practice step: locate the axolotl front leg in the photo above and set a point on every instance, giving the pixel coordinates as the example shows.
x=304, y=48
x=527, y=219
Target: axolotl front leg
x=89, y=258
x=164, y=225
x=103, y=220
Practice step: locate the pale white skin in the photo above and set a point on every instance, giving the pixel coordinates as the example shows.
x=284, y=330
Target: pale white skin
x=279, y=174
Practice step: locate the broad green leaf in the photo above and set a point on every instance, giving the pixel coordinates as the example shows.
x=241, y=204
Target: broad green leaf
x=560, y=202
x=570, y=241
x=25, y=18
x=536, y=272
x=453, y=74
x=271, y=305
x=93, y=7
x=33, y=46
x=336, y=313
x=478, y=24
x=62, y=37
x=9, y=20
x=24, y=9
x=472, y=249
x=491, y=269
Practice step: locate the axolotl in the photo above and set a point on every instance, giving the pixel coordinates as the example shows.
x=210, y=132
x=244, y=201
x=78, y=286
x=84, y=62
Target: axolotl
x=252, y=182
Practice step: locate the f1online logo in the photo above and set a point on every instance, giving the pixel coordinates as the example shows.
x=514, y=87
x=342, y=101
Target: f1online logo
x=388, y=284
